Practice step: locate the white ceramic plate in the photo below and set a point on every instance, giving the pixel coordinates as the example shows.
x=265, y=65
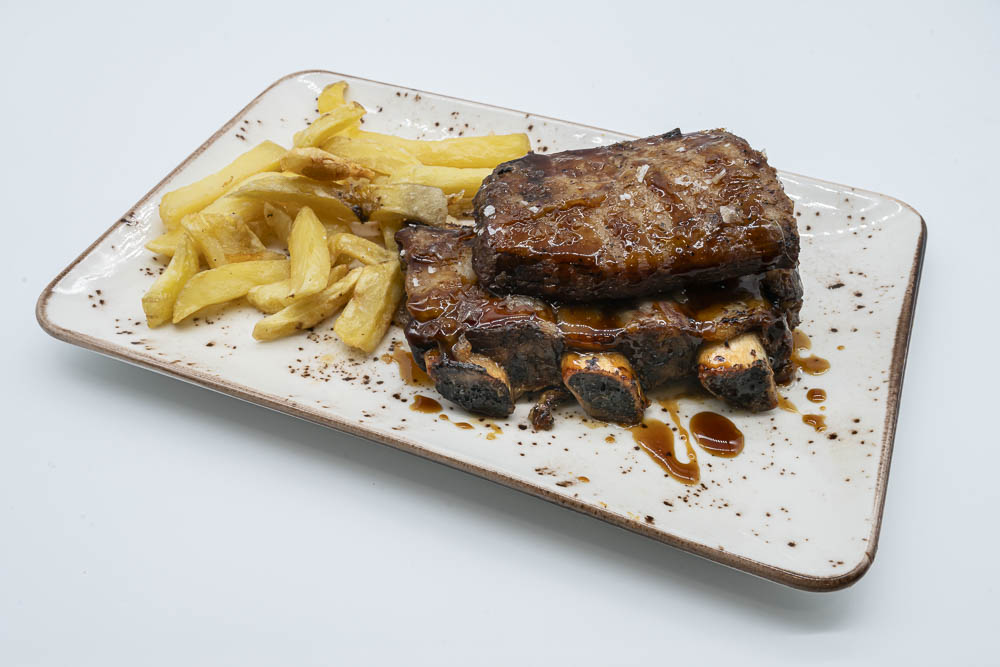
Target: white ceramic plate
x=799, y=507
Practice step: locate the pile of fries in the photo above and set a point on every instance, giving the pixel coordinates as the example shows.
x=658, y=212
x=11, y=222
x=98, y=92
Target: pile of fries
x=303, y=233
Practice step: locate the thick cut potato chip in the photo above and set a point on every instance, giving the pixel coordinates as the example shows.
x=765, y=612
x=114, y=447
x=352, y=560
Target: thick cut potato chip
x=278, y=221
x=463, y=152
x=329, y=124
x=388, y=225
x=316, y=163
x=310, y=266
x=450, y=179
x=331, y=97
x=355, y=247
x=193, y=198
x=368, y=314
x=379, y=157
x=158, y=302
x=310, y=311
x=226, y=283
x=327, y=200
x=166, y=244
x=422, y=203
x=225, y=239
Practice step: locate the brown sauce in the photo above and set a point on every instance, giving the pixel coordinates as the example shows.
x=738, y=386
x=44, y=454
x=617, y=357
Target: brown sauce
x=443, y=416
x=786, y=404
x=716, y=434
x=657, y=440
x=588, y=327
x=425, y=405
x=583, y=479
x=409, y=371
x=800, y=341
x=812, y=364
x=818, y=422
x=816, y=395
x=464, y=425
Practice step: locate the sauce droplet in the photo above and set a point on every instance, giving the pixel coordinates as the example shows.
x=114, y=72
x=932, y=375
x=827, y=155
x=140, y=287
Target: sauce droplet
x=716, y=434
x=800, y=341
x=463, y=425
x=425, y=405
x=409, y=371
x=786, y=404
x=583, y=479
x=657, y=440
x=812, y=364
x=818, y=422
x=816, y=395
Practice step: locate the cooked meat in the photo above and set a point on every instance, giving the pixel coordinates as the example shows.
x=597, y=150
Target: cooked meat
x=632, y=219
x=605, y=385
x=483, y=351
x=738, y=372
x=541, y=416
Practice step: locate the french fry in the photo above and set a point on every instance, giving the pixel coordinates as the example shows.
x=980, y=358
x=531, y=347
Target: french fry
x=422, y=203
x=158, y=302
x=226, y=283
x=331, y=97
x=325, y=199
x=225, y=239
x=166, y=244
x=193, y=198
x=278, y=221
x=355, y=247
x=461, y=152
x=388, y=225
x=451, y=180
x=311, y=310
x=368, y=314
x=380, y=157
x=316, y=163
x=329, y=124
x=310, y=266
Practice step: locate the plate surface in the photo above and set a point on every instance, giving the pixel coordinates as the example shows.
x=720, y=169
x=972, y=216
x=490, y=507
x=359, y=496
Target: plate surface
x=797, y=506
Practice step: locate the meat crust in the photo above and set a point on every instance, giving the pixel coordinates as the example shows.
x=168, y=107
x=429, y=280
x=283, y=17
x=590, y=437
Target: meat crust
x=632, y=219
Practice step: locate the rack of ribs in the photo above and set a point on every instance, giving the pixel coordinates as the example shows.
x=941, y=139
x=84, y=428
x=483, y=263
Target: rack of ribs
x=484, y=350
x=633, y=219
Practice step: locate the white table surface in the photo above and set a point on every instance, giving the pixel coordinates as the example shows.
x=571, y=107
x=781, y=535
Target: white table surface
x=146, y=522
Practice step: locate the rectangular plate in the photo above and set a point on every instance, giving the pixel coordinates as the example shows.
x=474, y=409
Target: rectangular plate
x=799, y=507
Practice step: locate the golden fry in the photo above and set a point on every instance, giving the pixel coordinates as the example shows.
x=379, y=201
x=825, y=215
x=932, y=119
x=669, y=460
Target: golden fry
x=329, y=124
x=462, y=152
x=310, y=266
x=193, y=198
x=166, y=244
x=316, y=163
x=158, y=302
x=368, y=314
x=325, y=199
x=331, y=97
x=379, y=157
x=278, y=221
x=225, y=239
x=422, y=203
x=226, y=283
x=311, y=310
x=355, y=247
x=450, y=179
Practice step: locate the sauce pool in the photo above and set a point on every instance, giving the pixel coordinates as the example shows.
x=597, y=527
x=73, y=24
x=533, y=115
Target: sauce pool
x=716, y=434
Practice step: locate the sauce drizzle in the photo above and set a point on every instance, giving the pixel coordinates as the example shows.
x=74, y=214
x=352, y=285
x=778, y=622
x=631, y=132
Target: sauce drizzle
x=716, y=434
x=425, y=405
x=409, y=371
x=657, y=440
x=816, y=395
x=818, y=422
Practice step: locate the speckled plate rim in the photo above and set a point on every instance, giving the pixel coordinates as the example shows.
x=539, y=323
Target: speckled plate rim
x=751, y=566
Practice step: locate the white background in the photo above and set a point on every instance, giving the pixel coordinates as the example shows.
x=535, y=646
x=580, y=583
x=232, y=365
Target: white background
x=145, y=522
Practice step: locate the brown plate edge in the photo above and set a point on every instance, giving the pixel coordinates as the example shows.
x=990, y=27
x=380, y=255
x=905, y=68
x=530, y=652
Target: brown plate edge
x=716, y=554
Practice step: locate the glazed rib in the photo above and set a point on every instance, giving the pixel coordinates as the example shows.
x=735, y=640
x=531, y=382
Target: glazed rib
x=632, y=219
x=484, y=351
